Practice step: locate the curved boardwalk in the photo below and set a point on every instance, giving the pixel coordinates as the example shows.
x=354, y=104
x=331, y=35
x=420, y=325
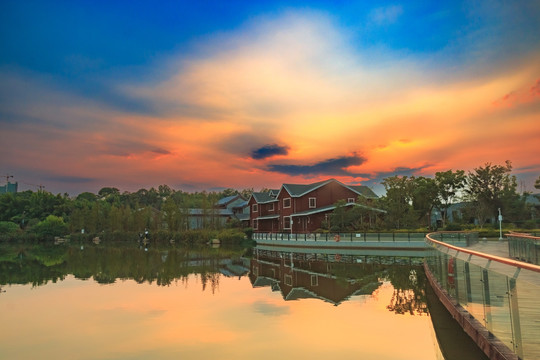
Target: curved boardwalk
x=495, y=299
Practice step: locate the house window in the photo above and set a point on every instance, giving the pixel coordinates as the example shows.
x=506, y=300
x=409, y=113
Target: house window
x=255, y=224
x=255, y=207
x=287, y=222
x=351, y=200
x=312, y=202
x=271, y=207
x=288, y=280
x=286, y=203
x=314, y=280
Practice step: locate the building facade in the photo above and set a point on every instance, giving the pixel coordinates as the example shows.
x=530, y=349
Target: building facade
x=302, y=208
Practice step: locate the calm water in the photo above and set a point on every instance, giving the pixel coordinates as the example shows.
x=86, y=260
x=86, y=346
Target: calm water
x=103, y=302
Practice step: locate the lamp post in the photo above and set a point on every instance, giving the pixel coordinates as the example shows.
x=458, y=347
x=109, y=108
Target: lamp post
x=500, y=225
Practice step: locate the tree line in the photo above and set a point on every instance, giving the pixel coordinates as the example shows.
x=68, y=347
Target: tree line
x=109, y=211
x=409, y=203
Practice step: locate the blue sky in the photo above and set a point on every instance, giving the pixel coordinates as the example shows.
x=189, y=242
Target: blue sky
x=129, y=75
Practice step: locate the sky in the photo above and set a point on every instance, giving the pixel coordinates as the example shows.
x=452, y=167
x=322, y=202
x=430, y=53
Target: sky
x=208, y=95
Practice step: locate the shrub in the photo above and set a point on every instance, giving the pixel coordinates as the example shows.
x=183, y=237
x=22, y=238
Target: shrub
x=8, y=227
x=453, y=227
x=50, y=227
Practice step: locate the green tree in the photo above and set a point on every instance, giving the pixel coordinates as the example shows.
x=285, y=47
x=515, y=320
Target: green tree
x=50, y=227
x=398, y=202
x=449, y=184
x=424, y=196
x=491, y=187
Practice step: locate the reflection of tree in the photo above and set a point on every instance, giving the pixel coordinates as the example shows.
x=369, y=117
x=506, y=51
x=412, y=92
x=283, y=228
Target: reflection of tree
x=409, y=290
x=39, y=264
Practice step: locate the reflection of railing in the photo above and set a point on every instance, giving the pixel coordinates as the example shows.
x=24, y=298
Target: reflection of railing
x=500, y=293
x=336, y=237
x=524, y=247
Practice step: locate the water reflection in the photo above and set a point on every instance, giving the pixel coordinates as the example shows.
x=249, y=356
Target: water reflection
x=41, y=264
x=124, y=302
x=335, y=278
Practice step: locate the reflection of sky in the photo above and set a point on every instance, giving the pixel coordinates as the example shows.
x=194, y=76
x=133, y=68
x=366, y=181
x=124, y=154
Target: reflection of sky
x=82, y=319
x=256, y=94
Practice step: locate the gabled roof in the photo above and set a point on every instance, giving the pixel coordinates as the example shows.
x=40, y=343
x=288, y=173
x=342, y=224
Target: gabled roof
x=263, y=197
x=298, y=190
x=228, y=199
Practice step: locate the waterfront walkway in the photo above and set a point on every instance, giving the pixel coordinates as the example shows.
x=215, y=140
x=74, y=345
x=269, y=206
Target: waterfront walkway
x=498, y=291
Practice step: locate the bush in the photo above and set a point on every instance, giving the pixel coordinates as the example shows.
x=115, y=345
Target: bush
x=8, y=227
x=50, y=227
x=231, y=236
x=453, y=227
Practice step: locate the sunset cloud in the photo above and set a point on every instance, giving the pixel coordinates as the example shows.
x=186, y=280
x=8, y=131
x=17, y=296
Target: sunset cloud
x=282, y=96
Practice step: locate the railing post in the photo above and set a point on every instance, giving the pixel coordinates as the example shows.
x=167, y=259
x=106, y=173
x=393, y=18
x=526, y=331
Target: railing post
x=514, y=316
x=487, y=301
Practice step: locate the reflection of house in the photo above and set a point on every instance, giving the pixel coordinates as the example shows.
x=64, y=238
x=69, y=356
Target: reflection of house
x=307, y=279
x=300, y=208
x=225, y=210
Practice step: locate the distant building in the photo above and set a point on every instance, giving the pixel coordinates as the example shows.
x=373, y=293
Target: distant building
x=9, y=188
x=226, y=209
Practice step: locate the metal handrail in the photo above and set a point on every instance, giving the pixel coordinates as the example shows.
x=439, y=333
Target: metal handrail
x=516, y=263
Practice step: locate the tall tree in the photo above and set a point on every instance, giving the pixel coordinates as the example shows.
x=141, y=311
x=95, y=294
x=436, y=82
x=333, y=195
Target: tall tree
x=449, y=184
x=424, y=196
x=491, y=187
x=398, y=202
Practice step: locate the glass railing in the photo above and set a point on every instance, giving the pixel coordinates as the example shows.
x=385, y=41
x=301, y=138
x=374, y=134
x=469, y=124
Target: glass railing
x=501, y=293
x=524, y=247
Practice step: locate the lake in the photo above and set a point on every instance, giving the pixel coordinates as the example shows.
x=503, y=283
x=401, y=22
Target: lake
x=124, y=302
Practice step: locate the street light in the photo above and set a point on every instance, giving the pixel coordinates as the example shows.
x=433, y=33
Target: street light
x=500, y=225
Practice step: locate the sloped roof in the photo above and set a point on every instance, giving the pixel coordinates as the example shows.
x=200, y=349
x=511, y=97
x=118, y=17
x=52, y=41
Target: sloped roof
x=298, y=190
x=228, y=199
x=263, y=197
x=363, y=190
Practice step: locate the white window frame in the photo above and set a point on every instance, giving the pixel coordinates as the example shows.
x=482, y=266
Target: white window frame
x=314, y=202
x=255, y=208
x=288, y=280
x=351, y=200
x=284, y=206
x=255, y=224
x=271, y=207
x=314, y=280
x=290, y=223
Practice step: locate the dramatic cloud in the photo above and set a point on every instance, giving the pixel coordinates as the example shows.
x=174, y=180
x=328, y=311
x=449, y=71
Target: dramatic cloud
x=269, y=151
x=330, y=167
x=301, y=85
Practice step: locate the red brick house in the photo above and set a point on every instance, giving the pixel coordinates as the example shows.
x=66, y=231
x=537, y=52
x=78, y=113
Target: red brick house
x=301, y=208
